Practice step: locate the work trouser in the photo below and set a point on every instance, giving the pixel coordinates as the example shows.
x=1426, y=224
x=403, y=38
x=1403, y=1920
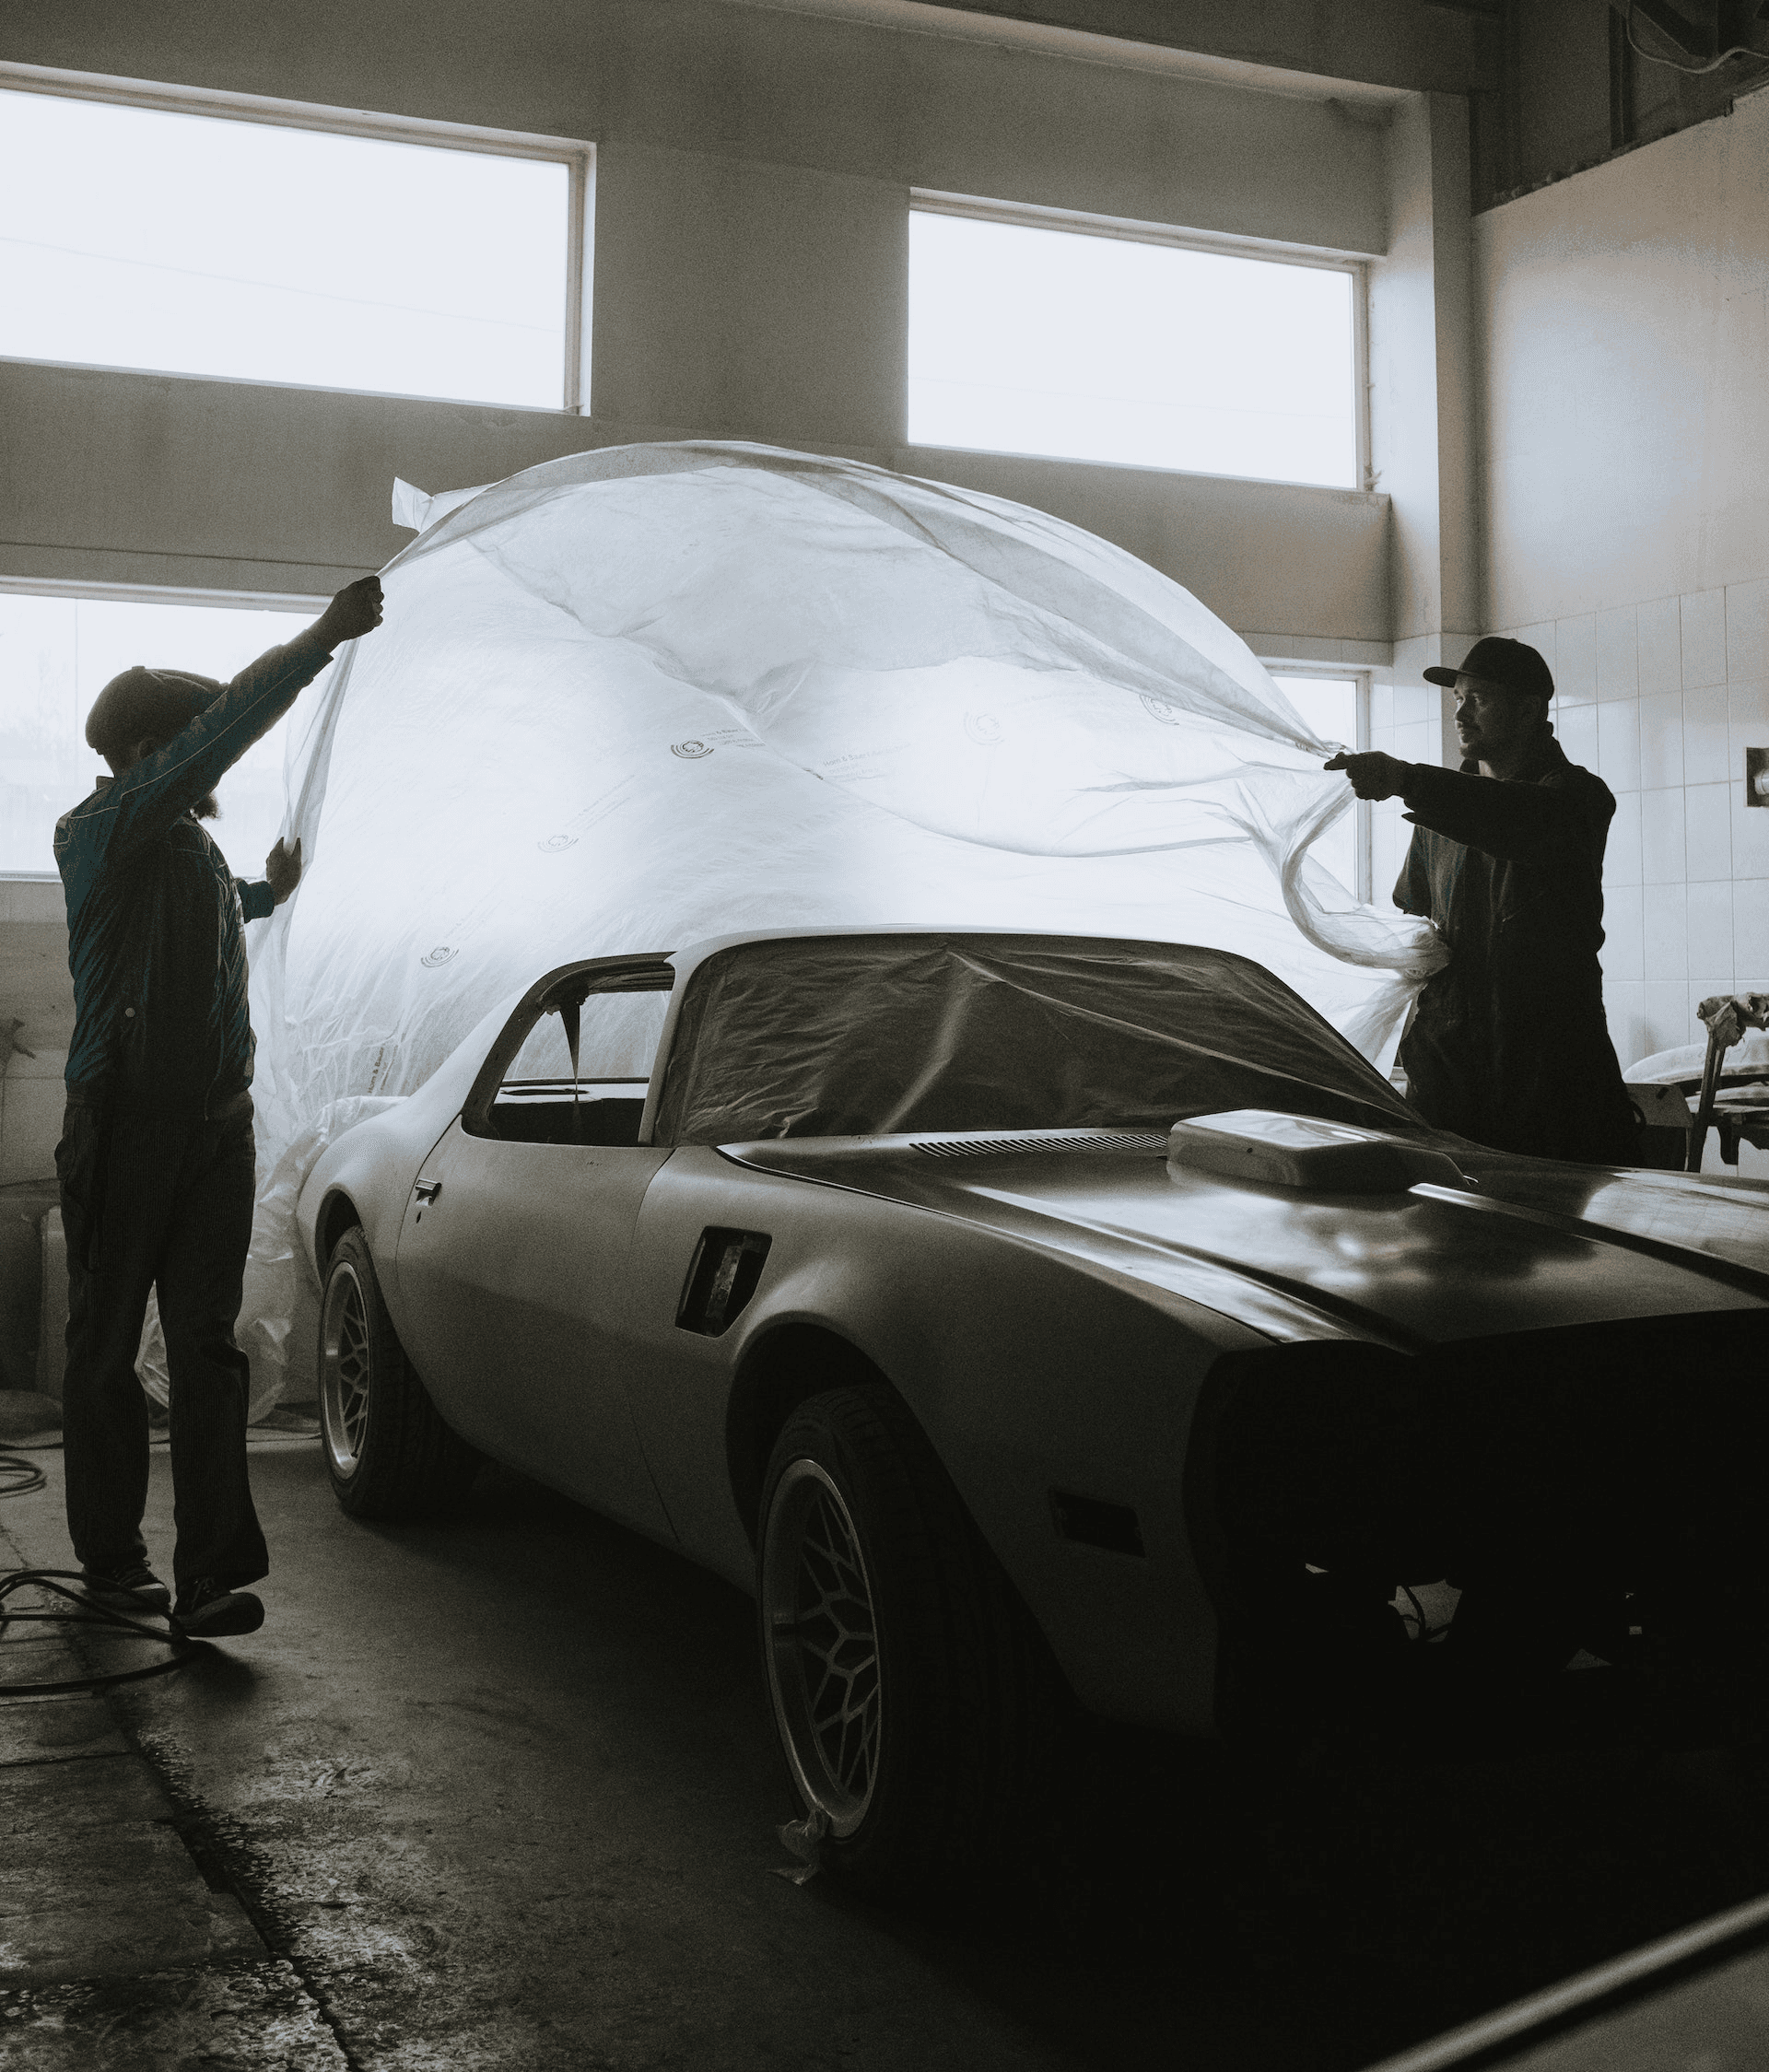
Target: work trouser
x=158, y=1201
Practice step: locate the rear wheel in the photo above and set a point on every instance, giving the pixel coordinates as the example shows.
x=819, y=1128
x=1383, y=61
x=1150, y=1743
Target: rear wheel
x=919, y=1709
x=387, y=1449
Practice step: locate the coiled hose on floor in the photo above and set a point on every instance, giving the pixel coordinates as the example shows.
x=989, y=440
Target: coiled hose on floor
x=21, y=1476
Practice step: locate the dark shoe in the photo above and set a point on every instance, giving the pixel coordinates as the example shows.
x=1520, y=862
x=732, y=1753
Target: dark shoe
x=134, y=1588
x=208, y=1611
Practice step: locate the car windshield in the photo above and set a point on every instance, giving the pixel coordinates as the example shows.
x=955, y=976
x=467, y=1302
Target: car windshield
x=865, y=1035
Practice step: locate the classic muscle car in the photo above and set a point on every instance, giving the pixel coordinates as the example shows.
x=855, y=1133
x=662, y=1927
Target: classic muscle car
x=1045, y=1325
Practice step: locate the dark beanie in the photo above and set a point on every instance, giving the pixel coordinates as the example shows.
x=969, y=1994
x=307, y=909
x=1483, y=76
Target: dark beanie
x=160, y=702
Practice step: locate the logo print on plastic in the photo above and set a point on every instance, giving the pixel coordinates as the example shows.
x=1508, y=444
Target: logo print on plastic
x=689, y=751
x=984, y=729
x=1158, y=709
x=440, y=954
x=555, y=843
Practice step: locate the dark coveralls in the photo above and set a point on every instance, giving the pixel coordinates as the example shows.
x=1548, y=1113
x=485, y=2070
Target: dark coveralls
x=1509, y=1045
x=157, y=1161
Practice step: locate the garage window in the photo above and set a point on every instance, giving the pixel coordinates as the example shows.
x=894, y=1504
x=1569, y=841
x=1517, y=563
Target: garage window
x=1086, y=340
x=239, y=237
x=1337, y=709
x=57, y=652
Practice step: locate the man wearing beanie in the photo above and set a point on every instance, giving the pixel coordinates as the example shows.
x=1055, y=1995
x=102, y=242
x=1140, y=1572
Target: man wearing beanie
x=1509, y=1044
x=156, y=1160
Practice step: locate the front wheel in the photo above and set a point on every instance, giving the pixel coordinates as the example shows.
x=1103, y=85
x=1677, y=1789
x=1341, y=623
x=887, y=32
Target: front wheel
x=919, y=1709
x=387, y=1449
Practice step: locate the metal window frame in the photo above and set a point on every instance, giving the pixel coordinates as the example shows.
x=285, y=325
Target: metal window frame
x=927, y=201
x=578, y=157
x=77, y=593
x=1362, y=823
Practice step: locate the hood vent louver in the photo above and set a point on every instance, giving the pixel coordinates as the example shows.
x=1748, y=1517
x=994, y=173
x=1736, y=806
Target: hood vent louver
x=1073, y=1140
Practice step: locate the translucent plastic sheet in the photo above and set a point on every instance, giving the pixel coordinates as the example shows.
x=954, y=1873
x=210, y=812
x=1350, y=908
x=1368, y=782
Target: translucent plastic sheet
x=863, y=1034
x=651, y=693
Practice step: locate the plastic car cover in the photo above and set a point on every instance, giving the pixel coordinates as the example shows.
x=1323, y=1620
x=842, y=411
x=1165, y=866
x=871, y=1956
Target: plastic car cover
x=855, y=1035
x=653, y=693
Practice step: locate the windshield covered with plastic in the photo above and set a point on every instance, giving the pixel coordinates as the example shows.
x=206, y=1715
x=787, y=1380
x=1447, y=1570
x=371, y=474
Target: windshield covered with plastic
x=876, y=1035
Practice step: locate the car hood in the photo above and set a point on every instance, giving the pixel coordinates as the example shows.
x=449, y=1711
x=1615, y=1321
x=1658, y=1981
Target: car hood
x=1530, y=1246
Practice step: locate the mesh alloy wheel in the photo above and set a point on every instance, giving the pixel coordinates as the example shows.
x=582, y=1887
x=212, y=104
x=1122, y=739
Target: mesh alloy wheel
x=918, y=1710
x=344, y=1370
x=388, y=1451
x=822, y=1645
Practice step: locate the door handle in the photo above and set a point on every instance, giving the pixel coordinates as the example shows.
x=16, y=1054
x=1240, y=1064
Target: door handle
x=428, y=1190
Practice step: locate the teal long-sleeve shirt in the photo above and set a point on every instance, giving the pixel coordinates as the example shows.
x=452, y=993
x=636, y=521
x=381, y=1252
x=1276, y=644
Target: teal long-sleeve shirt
x=155, y=916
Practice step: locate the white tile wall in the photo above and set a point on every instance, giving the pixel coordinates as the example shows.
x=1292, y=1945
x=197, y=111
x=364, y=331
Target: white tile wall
x=1623, y=932
x=1703, y=633
x=1618, y=654
x=1664, y=931
x=1662, y=659
x=1708, y=843
x=1576, y=664
x=1710, y=942
x=1622, y=859
x=1747, y=631
x=1705, y=734
x=1577, y=726
x=1661, y=698
x=1661, y=739
x=1661, y=837
x=1618, y=744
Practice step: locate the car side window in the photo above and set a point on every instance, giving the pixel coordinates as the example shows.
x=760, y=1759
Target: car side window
x=537, y=1101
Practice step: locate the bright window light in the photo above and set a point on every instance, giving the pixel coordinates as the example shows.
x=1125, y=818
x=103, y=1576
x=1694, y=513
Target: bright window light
x=1329, y=707
x=1025, y=340
x=58, y=653
x=194, y=244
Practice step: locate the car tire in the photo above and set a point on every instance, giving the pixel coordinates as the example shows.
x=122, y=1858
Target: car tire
x=387, y=1449
x=918, y=1708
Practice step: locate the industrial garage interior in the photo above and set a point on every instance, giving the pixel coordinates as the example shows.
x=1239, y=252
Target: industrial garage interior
x=503, y=1786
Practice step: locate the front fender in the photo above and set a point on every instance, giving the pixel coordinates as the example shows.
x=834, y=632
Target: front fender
x=373, y=1167
x=1035, y=1375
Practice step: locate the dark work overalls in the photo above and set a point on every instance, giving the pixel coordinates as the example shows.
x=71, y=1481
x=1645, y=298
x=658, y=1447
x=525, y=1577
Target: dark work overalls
x=157, y=1161
x=1509, y=1045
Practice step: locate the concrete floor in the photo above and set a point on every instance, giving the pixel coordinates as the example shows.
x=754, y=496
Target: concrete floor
x=503, y=1793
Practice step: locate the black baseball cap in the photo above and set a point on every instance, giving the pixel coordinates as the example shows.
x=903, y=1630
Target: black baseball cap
x=1506, y=665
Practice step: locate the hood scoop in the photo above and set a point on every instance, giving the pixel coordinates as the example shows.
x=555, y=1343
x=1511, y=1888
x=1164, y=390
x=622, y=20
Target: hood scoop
x=1268, y=1149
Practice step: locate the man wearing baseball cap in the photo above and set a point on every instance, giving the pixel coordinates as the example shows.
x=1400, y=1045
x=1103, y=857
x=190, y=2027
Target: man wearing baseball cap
x=156, y=1160
x=1509, y=1045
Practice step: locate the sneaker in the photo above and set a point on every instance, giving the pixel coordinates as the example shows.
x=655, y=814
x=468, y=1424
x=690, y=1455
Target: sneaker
x=209, y=1611
x=132, y=1588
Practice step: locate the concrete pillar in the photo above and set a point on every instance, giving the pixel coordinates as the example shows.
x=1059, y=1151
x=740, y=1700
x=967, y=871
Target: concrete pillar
x=1421, y=401
x=749, y=299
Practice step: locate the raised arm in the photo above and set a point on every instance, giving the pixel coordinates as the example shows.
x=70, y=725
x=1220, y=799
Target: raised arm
x=152, y=793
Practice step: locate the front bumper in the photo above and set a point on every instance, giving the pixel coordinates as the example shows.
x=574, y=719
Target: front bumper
x=1587, y=1501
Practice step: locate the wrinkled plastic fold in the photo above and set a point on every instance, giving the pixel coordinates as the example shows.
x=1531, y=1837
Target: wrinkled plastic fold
x=648, y=694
